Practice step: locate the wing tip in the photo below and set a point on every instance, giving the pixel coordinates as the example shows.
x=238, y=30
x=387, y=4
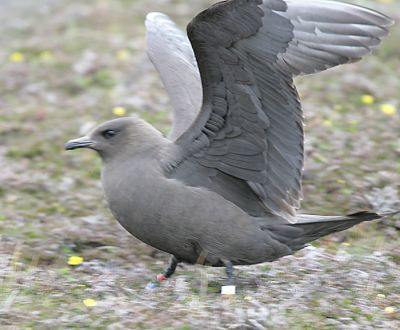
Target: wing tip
x=385, y=20
x=388, y=213
x=371, y=16
x=154, y=15
x=154, y=18
x=389, y=21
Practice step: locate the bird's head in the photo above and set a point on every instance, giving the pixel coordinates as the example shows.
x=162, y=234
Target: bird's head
x=118, y=138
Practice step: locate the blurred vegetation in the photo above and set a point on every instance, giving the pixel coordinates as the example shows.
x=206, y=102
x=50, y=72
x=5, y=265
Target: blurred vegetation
x=66, y=65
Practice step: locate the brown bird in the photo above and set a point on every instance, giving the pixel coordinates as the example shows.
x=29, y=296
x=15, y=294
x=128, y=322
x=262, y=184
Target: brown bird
x=223, y=189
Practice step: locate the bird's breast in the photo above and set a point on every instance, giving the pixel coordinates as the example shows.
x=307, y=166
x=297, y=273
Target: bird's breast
x=147, y=205
x=181, y=220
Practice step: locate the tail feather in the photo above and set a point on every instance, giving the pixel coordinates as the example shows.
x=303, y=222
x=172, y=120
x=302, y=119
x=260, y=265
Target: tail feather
x=361, y=216
x=311, y=227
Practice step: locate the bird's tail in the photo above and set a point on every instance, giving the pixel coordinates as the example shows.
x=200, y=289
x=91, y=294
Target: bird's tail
x=308, y=228
x=316, y=226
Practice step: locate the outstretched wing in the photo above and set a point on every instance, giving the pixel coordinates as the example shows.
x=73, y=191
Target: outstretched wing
x=250, y=127
x=171, y=53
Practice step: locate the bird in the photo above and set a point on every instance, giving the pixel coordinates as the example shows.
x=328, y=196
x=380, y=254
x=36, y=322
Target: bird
x=223, y=188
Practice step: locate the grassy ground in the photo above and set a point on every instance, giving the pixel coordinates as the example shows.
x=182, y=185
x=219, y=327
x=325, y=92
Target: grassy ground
x=65, y=65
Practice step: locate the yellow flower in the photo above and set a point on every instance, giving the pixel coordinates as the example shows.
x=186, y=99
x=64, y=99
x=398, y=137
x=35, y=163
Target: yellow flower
x=17, y=57
x=119, y=111
x=90, y=302
x=380, y=296
x=346, y=244
x=388, y=109
x=46, y=56
x=122, y=55
x=367, y=99
x=328, y=123
x=75, y=260
x=390, y=310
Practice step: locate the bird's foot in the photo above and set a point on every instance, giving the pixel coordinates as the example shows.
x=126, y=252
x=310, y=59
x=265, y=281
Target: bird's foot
x=161, y=278
x=164, y=276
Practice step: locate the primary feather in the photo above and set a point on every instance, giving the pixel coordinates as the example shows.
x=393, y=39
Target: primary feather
x=171, y=53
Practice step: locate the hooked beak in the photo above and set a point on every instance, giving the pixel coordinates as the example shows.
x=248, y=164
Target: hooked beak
x=83, y=142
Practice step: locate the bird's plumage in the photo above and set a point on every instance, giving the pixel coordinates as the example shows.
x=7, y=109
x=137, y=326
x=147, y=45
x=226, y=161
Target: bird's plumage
x=171, y=53
x=225, y=186
x=250, y=128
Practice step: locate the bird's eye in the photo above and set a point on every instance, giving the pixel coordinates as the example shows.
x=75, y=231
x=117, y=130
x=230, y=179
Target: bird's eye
x=109, y=133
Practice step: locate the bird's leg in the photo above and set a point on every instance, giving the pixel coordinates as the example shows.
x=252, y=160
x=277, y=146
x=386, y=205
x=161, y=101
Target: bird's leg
x=173, y=262
x=229, y=288
x=229, y=273
x=170, y=270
